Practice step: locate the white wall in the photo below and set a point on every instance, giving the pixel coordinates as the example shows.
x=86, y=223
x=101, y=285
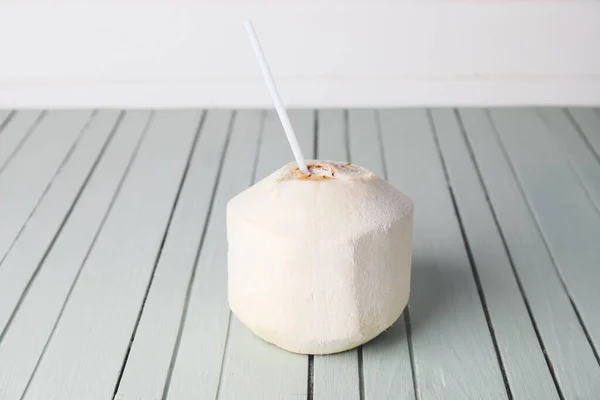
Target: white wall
x=323, y=53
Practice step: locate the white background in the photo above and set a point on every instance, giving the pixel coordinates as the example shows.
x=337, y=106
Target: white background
x=322, y=53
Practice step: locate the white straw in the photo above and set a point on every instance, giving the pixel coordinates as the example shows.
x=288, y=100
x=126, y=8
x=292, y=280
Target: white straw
x=283, y=117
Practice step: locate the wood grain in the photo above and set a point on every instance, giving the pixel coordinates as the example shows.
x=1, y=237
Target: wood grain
x=23, y=342
x=84, y=356
x=568, y=350
x=453, y=351
x=526, y=369
x=147, y=368
x=253, y=369
x=36, y=164
x=199, y=356
x=15, y=132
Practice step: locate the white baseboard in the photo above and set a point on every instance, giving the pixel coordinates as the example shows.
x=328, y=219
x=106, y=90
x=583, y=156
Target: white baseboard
x=323, y=54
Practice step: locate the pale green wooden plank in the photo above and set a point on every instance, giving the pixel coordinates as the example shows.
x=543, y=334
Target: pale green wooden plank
x=363, y=137
x=581, y=156
x=575, y=367
x=255, y=369
x=332, y=141
x=252, y=368
x=335, y=376
x=24, y=341
x=45, y=222
x=15, y=132
x=453, y=351
x=147, y=368
x=387, y=365
x=25, y=180
x=84, y=357
x=523, y=359
x=588, y=121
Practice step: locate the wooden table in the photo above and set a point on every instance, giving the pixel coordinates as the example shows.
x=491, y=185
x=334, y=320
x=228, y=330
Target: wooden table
x=113, y=254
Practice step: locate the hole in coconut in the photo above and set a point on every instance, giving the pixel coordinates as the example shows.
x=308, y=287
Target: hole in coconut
x=318, y=172
x=321, y=170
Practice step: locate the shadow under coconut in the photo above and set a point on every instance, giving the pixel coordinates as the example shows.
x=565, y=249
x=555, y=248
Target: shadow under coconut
x=439, y=290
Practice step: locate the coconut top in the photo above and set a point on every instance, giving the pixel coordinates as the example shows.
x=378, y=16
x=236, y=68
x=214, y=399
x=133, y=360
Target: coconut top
x=325, y=170
x=333, y=197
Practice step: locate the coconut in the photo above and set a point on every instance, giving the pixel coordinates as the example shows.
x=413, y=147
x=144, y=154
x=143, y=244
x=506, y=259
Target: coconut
x=319, y=263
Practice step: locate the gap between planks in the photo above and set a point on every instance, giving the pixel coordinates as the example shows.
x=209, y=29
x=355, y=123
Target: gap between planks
x=13, y=132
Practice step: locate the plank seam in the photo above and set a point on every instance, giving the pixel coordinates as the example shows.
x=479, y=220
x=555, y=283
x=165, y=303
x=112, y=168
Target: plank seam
x=159, y=253
x=49, y=184
x=541, y=233
x=89, y=251
x=311, y=377
x=260, y=139
x=507, y=251
x=586, y=331
x=411, y=352
x=571, y=163
x=361, y=373
x=581, y=133
x=60, y=228
x=470, y=256
x=188, y=293
x=7, y=120
x=226, y=345
x=584, y=187
x=22, y=140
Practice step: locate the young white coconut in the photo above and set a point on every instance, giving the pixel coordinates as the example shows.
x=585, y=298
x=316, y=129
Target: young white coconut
x=319, y=263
